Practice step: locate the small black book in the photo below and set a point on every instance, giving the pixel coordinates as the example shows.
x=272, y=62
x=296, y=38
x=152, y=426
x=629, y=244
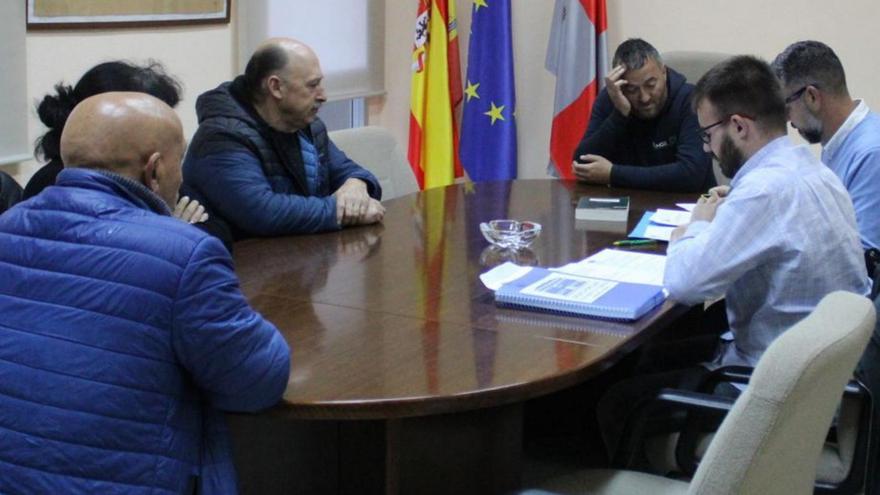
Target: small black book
x=602, y=209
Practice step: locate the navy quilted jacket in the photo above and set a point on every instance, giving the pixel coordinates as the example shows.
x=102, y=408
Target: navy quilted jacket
x=255, y=178
x=123, y=333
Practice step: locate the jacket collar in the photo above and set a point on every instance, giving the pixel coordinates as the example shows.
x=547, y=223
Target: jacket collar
x=228, y=100
x=113, y=183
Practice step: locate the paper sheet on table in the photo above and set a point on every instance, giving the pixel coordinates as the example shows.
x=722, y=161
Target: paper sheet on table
x=686, y=206
x=658, y=232
x=502, y=274
x=620, y=266
x=671, y=217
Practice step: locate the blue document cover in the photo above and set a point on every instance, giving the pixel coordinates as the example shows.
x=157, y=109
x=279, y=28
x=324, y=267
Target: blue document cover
x=642, y=226
x=552, y=291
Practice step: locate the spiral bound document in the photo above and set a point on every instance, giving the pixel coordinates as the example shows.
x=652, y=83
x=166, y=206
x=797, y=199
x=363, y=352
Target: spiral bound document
x=552, y=291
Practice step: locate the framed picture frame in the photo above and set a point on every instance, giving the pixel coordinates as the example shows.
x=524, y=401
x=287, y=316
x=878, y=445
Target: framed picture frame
x=101, y=14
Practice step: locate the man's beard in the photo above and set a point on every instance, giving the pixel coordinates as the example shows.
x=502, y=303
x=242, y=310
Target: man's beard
x=813, y=135
x=811, y=130
x=731, y=159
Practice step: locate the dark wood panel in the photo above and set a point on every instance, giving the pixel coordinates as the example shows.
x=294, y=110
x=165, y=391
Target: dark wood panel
x=391, y=320
x=405, y=376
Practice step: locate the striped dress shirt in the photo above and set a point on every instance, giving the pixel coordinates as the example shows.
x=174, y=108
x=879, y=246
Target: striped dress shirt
x=784, y=237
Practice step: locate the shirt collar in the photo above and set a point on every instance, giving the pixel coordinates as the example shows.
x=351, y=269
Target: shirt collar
x=756, y=159
x=855, y=118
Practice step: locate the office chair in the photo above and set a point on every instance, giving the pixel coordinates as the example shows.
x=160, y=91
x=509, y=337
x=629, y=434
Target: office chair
x=771, y=439
x=693, y=64
x=848, y=459
x=376, y=150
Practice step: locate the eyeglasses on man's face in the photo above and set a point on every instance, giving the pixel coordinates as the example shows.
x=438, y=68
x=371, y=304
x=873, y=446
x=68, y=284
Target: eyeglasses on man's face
x=797, y=94
x=705, y=135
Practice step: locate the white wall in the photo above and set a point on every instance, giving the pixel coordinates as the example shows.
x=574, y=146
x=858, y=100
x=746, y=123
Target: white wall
x=759, y=28
x=748, y=26
x=199, y=57
x=203, y=56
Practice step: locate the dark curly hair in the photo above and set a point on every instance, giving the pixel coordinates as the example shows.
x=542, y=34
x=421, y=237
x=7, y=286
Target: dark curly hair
x=116, y=75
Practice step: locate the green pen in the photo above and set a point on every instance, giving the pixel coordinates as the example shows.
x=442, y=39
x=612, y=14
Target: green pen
x=634, y=242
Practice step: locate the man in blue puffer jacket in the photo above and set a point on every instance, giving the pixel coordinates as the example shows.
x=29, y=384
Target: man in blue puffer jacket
x=261, y=160
x=124, y=332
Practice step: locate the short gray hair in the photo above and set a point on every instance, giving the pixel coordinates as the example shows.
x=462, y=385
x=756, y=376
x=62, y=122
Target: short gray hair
x=634, y=52
x=811, y=62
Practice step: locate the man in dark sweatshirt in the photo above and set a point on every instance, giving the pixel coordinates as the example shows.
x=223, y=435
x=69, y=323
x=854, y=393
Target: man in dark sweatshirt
x=642, y=132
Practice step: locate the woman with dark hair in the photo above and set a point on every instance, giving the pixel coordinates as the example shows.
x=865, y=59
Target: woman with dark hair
x=102, y=78
x=117, y=75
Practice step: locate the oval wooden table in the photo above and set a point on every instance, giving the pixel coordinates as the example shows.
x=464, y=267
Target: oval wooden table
x=406, y=378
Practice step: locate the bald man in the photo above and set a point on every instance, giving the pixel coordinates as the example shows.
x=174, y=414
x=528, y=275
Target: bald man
x=261, y=160
x=123, y=329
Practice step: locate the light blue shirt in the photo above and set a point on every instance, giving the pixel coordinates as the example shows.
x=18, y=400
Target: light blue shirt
x=853, y=154
x=784, y=237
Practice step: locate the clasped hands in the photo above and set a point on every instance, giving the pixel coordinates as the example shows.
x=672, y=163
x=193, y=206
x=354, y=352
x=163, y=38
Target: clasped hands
x=354, y=206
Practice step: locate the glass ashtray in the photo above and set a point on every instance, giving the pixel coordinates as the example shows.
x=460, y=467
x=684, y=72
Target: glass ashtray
x=510, y=234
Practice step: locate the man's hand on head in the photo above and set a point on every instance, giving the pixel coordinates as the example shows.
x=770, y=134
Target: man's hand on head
x=614, y=83
x=352, y=202
x=593, y=169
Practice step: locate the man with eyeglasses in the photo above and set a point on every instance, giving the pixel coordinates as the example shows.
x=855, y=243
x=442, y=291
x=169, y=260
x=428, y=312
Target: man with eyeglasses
x=781, y=237
x=642, y=131
x=822, y=111
x=764, y=243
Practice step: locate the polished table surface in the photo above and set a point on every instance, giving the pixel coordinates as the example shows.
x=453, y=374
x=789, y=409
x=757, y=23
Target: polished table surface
x=391, y=320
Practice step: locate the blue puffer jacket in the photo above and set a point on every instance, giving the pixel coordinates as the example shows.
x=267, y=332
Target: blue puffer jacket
x=123, y=333
x=255, y=178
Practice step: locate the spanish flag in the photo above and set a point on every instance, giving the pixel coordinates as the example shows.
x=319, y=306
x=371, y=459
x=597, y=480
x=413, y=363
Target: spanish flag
x=436, y=92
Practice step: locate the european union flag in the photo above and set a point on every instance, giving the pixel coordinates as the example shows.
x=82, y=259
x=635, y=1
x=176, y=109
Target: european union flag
x=488, y=131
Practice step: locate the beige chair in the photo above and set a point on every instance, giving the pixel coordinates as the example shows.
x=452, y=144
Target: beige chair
x=770, y=441
x=693, y=65
x=376, y=149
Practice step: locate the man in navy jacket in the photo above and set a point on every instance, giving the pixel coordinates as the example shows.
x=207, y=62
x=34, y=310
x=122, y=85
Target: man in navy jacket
x=261, y=160
x=124, y=331
x=643, y=133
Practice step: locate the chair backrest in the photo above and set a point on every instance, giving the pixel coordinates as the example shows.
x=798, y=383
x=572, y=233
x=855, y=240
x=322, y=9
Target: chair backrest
x=868, y=372
x=693, y=64
x=10, y=191
x=376, y=149
x=771, y=439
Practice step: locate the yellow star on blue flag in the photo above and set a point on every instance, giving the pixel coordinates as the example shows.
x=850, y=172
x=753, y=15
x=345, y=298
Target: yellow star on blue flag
x=495, y=113
x=471, y=91
x=487, y=146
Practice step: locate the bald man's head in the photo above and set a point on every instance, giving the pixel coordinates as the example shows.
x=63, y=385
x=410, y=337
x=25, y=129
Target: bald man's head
x=283, y=81
x=132, y=134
